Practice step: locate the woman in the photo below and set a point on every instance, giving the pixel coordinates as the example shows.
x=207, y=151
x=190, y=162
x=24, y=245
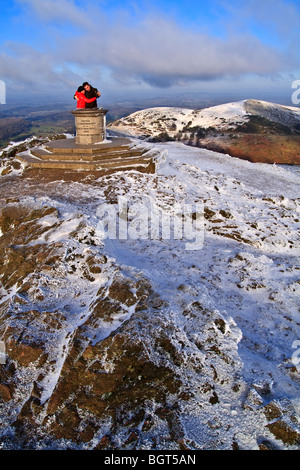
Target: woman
x=81, y=98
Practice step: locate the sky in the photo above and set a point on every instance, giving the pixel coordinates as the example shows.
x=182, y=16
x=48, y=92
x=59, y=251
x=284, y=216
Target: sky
x=124, y=47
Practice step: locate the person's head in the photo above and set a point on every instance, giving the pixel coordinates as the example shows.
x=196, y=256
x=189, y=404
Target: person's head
x=81, y=90
x=86, y=86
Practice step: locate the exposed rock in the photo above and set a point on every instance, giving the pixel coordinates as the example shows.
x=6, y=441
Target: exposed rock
x=253, y=400
x=25, y=354
x=287, y=432
x=5, y=392
x=283, y=421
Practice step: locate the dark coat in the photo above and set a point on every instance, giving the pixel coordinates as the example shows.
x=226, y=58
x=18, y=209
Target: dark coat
x=91, y=94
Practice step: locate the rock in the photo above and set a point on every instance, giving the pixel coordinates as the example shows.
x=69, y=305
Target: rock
x=253, y=400
x=5, y=392
x=273, y=411
x=6, y=171
x=131, y=382
x=286, y=431
x=279, y=408
x=283, y=421
x=26, y=354
x=121, y=290
x=264, y=444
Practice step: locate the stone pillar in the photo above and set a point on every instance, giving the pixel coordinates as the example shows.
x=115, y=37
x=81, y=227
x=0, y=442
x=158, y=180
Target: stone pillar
x=90, y=125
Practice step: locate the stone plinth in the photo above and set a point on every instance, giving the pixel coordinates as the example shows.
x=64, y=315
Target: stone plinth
x=90, y=150
x=115, y=154
x=90, y=125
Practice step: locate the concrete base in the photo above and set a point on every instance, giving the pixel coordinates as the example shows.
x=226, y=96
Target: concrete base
x=90, y=125
x=114, y=154
x=90, y=150
x=70, y=146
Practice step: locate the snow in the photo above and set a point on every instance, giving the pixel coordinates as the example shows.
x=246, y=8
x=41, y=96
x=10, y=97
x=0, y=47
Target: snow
x=246, y=274
x=153, y=121
x=253, y=284
x=233, y=112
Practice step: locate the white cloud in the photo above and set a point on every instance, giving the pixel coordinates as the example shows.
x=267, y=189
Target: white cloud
x=60, y=11
x=156, y=51
x=31, y=71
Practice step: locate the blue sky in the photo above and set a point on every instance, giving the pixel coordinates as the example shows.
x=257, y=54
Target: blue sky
x=48, y=47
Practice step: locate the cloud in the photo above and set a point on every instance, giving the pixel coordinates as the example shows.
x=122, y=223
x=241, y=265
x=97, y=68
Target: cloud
x=162, y=53
x=61, y=11
x=31, y=71
x=156, y=51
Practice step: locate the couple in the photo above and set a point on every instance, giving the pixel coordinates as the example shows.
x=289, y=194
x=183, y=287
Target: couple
x=86, y=96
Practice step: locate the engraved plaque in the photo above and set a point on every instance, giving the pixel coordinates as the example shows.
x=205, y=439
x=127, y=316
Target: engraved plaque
x=90, y=125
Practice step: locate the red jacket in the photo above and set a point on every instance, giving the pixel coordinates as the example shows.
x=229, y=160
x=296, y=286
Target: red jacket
x=82, y=99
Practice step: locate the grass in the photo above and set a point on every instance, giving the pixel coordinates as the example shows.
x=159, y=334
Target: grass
x=40, y=130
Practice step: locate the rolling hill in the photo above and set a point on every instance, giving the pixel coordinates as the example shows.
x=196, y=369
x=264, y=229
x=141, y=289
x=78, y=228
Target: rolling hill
x=253, y=130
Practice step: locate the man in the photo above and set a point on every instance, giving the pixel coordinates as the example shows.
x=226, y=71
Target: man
x=91, y=92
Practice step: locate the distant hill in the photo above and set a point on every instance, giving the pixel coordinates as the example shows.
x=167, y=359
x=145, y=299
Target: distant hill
x=12, y=126
x=17, y=124
x=254, y=130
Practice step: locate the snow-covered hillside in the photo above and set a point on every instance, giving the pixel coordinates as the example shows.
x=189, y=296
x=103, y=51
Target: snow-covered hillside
x=154, y=121
x=139, y=342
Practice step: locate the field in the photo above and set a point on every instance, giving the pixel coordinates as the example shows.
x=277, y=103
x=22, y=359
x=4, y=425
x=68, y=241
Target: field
x=19, y=123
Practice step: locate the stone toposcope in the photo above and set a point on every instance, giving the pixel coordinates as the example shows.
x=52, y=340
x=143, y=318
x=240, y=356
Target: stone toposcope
x=90, y=125
x=91, y=150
